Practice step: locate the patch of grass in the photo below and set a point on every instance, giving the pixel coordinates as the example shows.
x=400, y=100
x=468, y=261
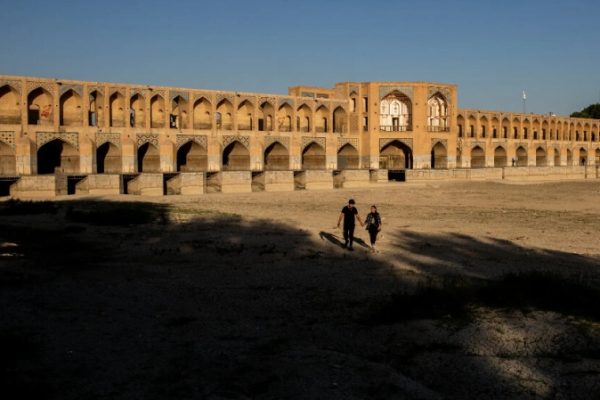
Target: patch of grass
x=19, y=207
x=456, y=298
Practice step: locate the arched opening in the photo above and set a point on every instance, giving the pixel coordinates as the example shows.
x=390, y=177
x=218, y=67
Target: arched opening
x=70, y=109
x=192, y=157
x=522, y=159
x=117, y=110
x=57, y=156
x=477, y=157
x=137, y=112
x=500, y=159
x=540, y=157
x=245, y=116
x=157, y=112
x=598, y=156
x=40, y=107
x=484, y=126
x=495, y=124
x=395, y=155
x=313, y=157
x=10, y=112
x=202, y=114
x=96, y=111
x=236, y=157
x=339, y=120
x=460, y=122
x=179, y=114
x=472, y=129
x=8, y=161
x=265, y=122
x=347, y=157
x=303, y=116
x=437, y=113
x=284, y=118
x=556, y=157
x=505, y=128
x=395, y=112
x=108, y=159
x=322, y=119
x=148, y=158
x=569, y=157
x=276, y=157
x=439, y=156
x=458, y=157
x=516, y=126
x=582, y=156
x=224, y=119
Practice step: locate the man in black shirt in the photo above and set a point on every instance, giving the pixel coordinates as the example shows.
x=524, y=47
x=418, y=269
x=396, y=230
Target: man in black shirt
x=349, y=214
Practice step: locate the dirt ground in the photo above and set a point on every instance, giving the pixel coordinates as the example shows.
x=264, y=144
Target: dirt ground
x=480, y=290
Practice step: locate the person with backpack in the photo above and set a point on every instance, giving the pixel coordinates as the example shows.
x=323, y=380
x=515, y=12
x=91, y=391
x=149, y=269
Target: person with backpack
x=373, y=223
x=349, y=214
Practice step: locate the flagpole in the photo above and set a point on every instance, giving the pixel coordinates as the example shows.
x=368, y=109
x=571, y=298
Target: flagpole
x=524, y=102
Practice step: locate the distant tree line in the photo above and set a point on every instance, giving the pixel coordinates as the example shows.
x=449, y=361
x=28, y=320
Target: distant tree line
x=591, y=111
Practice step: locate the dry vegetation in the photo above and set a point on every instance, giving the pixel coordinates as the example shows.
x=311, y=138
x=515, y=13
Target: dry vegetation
x=481, y=290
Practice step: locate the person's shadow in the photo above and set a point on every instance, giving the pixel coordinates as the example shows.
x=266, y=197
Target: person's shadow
x=331, y=238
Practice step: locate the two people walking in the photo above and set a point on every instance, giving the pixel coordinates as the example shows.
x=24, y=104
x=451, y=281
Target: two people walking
x=350, y=214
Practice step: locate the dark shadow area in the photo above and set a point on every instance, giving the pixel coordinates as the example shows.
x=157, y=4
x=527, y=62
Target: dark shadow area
x=121, y=300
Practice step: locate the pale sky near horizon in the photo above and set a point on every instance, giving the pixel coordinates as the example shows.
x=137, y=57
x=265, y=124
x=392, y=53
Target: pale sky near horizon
x=492, y=50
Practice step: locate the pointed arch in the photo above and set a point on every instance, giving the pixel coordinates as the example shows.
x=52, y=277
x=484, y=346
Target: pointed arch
x=70, y=110
x=477, y=157
x=284, y=118
x=583, y=156
x=117, y=110
x=395, y=156
x=313, y=156
x=395, y=112
x=340, y=118
x=57, y=155
x=192, y=157
x=236, y=157
x=179, y=118
x=10, y=111
x=108, y=159
x=522, y=158
x=276, y=157
x=137, y=111
x=322, y=119
x=202, y=113
x=500, y=157
x=148, y=158
x=157, y=112
x=540, y=157
x=96, y=108
x=245, y=116
x=569, y=157
x=224, y=115
x=347, y=157
x=460, y=120
x=437, y=113
x=439, y=156
x=40, y=107
x=303, y=118
x=267, y=116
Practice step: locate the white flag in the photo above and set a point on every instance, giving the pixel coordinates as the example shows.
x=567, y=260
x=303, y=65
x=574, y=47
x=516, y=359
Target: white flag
x=524, y=95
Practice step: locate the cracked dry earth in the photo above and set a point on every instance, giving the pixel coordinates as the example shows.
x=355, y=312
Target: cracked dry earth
x=481, y=290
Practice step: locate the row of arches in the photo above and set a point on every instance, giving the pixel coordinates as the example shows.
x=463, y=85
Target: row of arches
x=525, y=129
x=58, y=155
x=521, y=159
x=119, y=112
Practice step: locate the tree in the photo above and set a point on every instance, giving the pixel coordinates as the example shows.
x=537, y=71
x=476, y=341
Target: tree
x=591, y=111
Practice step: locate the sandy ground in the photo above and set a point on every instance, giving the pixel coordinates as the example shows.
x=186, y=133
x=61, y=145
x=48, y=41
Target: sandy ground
x=250, y=296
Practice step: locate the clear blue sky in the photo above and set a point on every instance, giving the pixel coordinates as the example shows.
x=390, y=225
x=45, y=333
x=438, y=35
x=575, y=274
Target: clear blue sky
x=491, y=49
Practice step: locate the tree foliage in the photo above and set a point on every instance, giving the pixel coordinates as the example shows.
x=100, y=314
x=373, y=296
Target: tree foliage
x=591, y=111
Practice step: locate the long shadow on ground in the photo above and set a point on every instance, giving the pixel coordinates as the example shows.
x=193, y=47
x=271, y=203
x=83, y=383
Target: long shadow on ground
x=117, y=300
